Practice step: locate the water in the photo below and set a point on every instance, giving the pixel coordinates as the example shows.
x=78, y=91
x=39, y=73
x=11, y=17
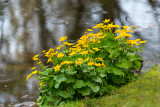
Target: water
x=29, y=26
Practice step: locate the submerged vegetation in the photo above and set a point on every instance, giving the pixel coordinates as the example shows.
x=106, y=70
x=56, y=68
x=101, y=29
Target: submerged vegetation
x=94, y=66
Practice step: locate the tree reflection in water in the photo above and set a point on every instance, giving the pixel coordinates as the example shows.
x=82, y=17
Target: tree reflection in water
x=29, y=26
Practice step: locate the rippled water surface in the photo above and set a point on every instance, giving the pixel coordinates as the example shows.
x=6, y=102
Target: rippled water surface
x=29, y=26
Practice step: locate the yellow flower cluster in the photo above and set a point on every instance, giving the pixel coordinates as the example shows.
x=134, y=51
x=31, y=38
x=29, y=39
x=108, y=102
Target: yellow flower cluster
x=66, y=62
x=83, y=48
x=135, y=42
x=122, y=33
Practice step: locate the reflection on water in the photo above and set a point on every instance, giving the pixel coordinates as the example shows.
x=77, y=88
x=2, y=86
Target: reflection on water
x=29, y=26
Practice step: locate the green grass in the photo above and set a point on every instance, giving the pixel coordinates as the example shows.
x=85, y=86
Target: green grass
x=144, y=92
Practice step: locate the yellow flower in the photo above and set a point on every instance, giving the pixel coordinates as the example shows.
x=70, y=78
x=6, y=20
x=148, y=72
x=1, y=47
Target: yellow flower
x=69, y=66
x=64, y=62
x=100, y=59
x=40, y=84
x=110, y=26
x=44, y=51
x=97, y=64
x=90, y=63
x=34, y=72
x=86, y=59
x=96, y=49
x=106, y=20
x=84, y=52
x=62, y=38
x=99, y=41
x=118, y=31
x=80, y=59
x=35, y=57
x=51, y=50
x=57, y=67
x=78, y=62
x=58, y=48
x=117, y=26
x=72, y=53
x=60, y=55
x=39, y=62
x=69, y=62
x=85, y=46
x=98, y=26
x=132, y=42
x=70, y=44
x=49, y=59
x=125, y=27
x=128, y=31
x=92, y=40
x=90, y=30
x=91, y=51
x=103, y=65
x=143, y=41
x=33, y=68
x=28, y=76
x=137, y=40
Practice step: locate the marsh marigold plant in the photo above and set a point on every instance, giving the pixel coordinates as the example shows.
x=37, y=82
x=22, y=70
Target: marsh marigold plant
x=96, y=65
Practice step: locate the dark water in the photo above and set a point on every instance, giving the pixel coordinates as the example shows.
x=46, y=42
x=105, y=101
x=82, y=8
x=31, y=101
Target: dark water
x=29, y=26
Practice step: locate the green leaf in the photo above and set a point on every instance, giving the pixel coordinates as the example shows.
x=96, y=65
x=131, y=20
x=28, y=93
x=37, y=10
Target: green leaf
x=101, y=55
x=70, y=71
x=70, y=89
x=57, y=100
x=50, y=83
x=110, y=43
x=97, y=79
x=117, y=71
x=69, y=79
x=124, y=63
x=61, y=78
x=84, y=91
x=133, y=57
x=102, y=73
x=48, y=98
x=91, y=68
x=137, y=65
x=94, y=87
x=78, y=84
x=63, y=94
x=114, y=53
x=111, y=88
x=57, y=85
x=117, y=79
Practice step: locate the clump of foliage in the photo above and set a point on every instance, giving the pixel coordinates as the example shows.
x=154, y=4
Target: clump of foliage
x=97, y=64
x=143, y=92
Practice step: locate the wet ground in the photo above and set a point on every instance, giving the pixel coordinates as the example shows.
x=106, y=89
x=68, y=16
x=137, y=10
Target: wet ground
x=29, y=26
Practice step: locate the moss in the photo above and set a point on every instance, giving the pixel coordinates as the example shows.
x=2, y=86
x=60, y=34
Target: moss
x=140, y=93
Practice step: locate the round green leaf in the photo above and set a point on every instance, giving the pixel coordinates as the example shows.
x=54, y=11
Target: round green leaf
x=84, y=91
x=78, y=84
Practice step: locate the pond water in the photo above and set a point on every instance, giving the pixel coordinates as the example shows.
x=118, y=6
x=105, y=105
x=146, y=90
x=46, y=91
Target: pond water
x=29, y=26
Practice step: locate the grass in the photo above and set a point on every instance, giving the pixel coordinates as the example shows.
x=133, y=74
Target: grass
x=144, y=92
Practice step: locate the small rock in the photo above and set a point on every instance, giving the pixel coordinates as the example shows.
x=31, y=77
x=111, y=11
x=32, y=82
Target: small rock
x=25, y=96
x=2, y=105
x=24, y=104
x=5, y=87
